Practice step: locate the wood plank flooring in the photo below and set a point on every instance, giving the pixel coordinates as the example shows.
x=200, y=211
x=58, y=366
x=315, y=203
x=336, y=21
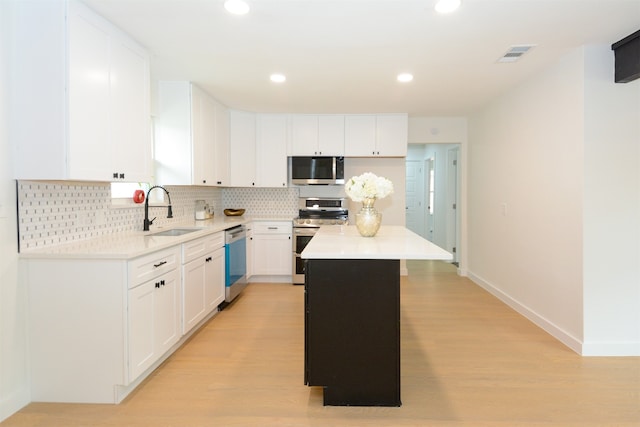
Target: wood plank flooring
x=467, y=360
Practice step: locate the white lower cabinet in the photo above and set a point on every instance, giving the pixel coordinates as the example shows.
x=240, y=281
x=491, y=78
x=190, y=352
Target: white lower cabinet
x=203, y=278
x=154, y=321
x=249, y=228
x=97, y=327
x=272, y=248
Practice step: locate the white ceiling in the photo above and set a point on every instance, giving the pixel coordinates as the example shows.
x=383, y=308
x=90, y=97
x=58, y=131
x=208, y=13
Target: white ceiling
x=343, y=56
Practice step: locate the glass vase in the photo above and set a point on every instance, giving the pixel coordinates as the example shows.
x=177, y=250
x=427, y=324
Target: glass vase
x=368, y=219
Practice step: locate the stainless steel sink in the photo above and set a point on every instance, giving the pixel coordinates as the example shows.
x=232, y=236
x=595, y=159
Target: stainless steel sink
x=174, y=232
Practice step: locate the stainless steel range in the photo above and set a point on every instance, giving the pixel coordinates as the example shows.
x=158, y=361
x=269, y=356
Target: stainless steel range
x=314, y=212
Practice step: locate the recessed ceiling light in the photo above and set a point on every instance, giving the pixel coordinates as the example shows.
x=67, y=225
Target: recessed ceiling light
x=278, y=78
x=405, y=77
x=447, y=6
x=236, y=7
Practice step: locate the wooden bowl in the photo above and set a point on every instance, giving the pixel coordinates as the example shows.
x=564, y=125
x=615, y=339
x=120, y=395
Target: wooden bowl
x=234, y=212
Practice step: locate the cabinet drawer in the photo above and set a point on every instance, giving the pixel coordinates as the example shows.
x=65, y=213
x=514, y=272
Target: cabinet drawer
x=273, y=227
x=215, y=241
x=196, y=248
x=153, y=265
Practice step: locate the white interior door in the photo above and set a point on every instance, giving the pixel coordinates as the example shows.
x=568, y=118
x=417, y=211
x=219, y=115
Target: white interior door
x=452, y=202
x=414, y=197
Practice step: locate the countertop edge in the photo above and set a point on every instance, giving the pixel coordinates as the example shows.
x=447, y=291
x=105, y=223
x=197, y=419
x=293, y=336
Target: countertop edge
x=134, y=244
x=391, y=242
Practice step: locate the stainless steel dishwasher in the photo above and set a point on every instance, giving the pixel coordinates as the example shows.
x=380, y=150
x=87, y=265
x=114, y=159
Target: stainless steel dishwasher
x=235, y=272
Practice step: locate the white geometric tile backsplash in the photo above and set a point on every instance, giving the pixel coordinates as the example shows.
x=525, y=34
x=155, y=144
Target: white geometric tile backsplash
x=54, y=213
x=277, y=202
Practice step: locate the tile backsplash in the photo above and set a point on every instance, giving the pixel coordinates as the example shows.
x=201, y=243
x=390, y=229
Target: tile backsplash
x=275, y=202
x=53, y=213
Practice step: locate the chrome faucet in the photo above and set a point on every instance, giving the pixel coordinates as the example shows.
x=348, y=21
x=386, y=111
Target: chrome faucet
x=147, y=221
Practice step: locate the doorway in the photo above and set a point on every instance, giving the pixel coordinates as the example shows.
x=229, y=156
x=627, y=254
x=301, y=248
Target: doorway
x=432, y=194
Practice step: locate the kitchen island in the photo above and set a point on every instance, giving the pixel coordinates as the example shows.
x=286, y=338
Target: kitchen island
x=352, y=312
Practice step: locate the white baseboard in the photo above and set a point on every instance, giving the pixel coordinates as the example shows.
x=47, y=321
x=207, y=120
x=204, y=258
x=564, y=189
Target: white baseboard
x=561, y=335
x=270, y=279
x=583, y=348
x=611, y=348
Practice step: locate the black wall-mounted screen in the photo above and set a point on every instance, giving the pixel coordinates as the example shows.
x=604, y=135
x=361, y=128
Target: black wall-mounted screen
x=627, y=53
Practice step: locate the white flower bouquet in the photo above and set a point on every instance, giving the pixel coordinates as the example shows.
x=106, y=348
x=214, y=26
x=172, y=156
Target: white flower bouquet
x=368, y=186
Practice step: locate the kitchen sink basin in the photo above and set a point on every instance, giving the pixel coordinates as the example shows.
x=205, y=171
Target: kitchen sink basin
x=174, y=232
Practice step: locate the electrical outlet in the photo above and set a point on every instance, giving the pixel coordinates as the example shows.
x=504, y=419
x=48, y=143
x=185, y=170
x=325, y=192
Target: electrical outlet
x=503, y=209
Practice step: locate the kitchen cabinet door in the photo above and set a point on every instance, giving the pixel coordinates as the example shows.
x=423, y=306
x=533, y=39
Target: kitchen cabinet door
x=130, y=137
x=214, y=280
x=167, y=312
x=271, y=150
x=242, y=149
x=142, y=352
x=221, y=152
x=91, y=81
x=193, y=293
x=317, y=135
x=391, y=135
x=360, y=135
x=331, y=135
x=271, y=248
x=249, y=228
x=383, y=135
x=192, y=136
x=88, y=110
x=304, y=135
x=204, y=137
x=154, y=321
x=272, y=254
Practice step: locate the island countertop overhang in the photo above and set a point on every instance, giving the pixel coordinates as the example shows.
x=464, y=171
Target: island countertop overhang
x=391, y=242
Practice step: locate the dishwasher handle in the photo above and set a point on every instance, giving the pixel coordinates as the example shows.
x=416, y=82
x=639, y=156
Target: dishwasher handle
x=234, y=234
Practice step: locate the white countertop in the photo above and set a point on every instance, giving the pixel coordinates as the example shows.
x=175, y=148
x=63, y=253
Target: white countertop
x=391, y=242
x=128, y=245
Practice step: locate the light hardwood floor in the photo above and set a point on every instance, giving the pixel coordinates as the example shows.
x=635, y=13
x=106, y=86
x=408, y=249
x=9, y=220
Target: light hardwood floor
x=467, y=360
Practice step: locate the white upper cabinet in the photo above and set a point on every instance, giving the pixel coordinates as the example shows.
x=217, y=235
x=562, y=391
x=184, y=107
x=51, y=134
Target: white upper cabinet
x=360, y=135
x=384, y=135
x=258, y=149
x=221, y=154
x=91, y=82
x=242, y=148
x=189, y=147
x=271, y=150
x=203, y=137
x=317, y=135
x=331, y=135
x=304, y=135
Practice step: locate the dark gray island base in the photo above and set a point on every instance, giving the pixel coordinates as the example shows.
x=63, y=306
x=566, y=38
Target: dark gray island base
x=352, y=330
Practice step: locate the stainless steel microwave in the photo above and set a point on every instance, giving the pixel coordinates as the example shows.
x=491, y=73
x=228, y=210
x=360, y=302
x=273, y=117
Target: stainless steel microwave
x=317, y=170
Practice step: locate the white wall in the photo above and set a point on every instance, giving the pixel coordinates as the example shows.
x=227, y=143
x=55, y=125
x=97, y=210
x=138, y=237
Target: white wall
x=554, y=202
x=611, y=209
x=14, y=385
x=434, y=130
x=525, y=198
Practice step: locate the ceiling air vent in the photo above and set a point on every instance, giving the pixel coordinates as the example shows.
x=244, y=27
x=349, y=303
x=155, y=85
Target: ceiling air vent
x=515, y=52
